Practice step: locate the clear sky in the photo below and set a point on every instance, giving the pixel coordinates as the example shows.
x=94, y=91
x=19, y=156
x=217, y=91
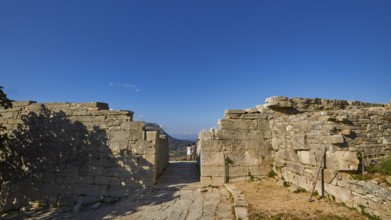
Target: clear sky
x=182, y=63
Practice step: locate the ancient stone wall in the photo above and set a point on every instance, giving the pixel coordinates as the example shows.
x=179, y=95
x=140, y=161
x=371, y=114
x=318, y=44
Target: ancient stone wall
x=348, y=131
x=63, y=153
x=301, y=130
x=239, y=148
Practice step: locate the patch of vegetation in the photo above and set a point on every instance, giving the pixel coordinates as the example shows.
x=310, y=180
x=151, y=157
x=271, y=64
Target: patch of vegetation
x=332, y=217
x=300, y=190
x=382, y=167
x=252, y=178
x=228, y=161
x=277, y=217
x=230, y=197
x=272, y=174
x=366, y=214
x=213, y=187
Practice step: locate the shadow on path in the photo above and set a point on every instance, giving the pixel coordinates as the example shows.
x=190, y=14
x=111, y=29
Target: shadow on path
x=177, y=183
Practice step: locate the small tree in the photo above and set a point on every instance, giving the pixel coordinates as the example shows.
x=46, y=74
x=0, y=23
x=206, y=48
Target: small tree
x=5, y=103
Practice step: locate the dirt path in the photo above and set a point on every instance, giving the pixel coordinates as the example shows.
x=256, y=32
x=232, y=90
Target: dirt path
x=267, y=200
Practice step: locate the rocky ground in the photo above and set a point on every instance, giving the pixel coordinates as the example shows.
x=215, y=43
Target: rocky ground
x=267, y=200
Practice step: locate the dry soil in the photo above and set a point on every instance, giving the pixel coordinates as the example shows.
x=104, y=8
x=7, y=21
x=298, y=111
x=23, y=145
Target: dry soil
x=267, y=200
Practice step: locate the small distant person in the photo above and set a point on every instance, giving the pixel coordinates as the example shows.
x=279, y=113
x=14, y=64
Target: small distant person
x=188, y=152
x=193, y=151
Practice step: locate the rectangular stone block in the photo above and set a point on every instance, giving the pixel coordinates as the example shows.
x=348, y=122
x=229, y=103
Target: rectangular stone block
x=237, y=171
x=118, y=172
x=260, y=170
x=212, y=158
x=213, y=171
x=340, y=194
x=106, y=180
x=299, y=142
x=205, y=135
x=296, y=168
x=342, y=160
x=118, y=145
x=304, y=157
x=253, y=144
x=233, y=124
x=91, y=171
x=119, y=191
x=78, y=180
x=211, y=146
x=152, y=136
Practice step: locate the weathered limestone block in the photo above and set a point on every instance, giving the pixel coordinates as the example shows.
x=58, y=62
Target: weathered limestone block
x=254, y=116
x=288, y=155
x=237, y=171
x=86, y=171
x=78, y=180
x=231, y=124
x=278, y=102
x=253, y=144
x=233, y=114
x=212, y=158
x=205, y=135
x=295, y=179
x=143, y=147
x=213, y=171
x=107, y=180
x=342, y=160
x=277, y=143
x=373, y=206
x=299, y=142
x=304, y=156
x=259, y=170
x=340, y=194
x=346, y=131
x=296, y=168
x=264, y=109
x=333, y=139
x=238, y=134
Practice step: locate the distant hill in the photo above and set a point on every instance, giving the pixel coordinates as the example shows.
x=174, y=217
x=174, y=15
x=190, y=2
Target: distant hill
x=177, y=148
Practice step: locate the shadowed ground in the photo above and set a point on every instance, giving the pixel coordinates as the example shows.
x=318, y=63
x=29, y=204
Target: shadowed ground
x=177, y=195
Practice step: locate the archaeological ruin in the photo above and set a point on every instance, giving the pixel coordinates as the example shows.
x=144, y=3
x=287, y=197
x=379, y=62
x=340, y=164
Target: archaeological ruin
x=61, y=154
x=294, y=137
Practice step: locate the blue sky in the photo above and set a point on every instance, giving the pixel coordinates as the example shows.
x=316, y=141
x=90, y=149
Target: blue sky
x=182, y=63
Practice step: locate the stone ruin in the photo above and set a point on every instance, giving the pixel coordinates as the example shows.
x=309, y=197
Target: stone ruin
x=61, y=154
x=289, y=137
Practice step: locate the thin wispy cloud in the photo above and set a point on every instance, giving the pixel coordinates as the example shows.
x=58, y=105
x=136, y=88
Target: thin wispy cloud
x=126, y=86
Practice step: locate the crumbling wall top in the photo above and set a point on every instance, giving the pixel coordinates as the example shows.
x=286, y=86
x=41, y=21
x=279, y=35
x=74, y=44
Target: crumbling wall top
x=283, y=103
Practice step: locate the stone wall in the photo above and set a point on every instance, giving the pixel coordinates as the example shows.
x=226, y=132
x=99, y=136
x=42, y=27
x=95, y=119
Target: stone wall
x=295, y=133
x=63, y=153
x=239, y=148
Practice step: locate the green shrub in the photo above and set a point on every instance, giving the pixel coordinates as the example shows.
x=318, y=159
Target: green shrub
x=383, y=167
x=272, y=173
